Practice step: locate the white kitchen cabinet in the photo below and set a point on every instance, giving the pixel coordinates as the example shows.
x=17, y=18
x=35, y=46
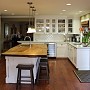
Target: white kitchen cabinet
x=70, y=25
x=12, y=62
x=83, y=59
x=62, y=50
x=75, y=56
x=39, y=25
x=69, y=56
x=71, y=53
x=61, y=25
x=46, y=25
x=80, y=57
x=76, y=25
x=56, y=24
x=50, y=26
x=73, y=25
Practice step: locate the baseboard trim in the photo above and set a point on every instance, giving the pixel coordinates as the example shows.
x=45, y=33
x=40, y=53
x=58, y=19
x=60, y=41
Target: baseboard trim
x=62, y=58
x=51, y=57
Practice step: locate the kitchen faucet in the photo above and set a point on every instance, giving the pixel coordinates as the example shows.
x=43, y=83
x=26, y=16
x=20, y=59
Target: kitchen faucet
x=29, y=40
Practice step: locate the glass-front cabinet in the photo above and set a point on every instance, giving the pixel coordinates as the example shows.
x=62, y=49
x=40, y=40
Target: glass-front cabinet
x=53, y=25
x=50, y=26
x=70, y=26
x=47, y=25
x=40, y=26
x=56, y=25
x=61, y=25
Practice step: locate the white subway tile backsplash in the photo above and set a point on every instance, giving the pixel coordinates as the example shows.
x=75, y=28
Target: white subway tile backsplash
x=49, y=37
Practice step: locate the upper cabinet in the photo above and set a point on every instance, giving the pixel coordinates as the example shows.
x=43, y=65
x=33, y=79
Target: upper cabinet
x=70, y=25
x=53, y=25
x=76, y=25
x=39, y=25
x=73, y=25
x=47, y=25
x=61, y=25
x=50, y=26
x=57, y=25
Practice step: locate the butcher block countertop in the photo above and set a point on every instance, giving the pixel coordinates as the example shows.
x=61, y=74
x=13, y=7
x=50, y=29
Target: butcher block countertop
x=36, y=50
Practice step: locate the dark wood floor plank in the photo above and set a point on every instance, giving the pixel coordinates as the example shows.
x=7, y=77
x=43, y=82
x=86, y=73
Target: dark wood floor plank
x=62, y=77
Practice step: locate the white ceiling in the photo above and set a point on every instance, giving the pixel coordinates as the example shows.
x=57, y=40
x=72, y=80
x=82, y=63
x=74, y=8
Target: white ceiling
x=45, y=7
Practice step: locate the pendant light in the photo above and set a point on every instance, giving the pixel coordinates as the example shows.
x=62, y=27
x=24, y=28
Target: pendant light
x=33, y=14
x=30, y=30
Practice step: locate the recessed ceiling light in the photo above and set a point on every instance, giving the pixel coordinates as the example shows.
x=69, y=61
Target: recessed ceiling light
x=68, y=4
x=64, y=10
x=5, y=10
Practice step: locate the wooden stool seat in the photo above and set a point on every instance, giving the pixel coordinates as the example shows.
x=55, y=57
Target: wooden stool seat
x=26, y=67
x=19, y=76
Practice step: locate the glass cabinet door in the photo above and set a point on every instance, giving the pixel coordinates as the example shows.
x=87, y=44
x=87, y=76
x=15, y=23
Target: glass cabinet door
x=61, y=25
x=47, y=25
x=70, y=26
x=40, y=25
x=53, y=25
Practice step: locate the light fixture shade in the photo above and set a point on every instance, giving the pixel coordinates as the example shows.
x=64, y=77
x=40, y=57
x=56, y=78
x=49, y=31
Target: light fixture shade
x=31, y=30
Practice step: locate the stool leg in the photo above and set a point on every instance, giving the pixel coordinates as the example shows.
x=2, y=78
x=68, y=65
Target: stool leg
x=47, y=73
x=18, y=78
x=48, y=68
x=38, y=73
x=32, y=79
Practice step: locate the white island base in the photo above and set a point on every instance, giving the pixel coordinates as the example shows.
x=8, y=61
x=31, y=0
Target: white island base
x=12, y=62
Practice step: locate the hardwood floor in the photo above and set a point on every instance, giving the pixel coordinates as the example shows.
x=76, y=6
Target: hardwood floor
x=62, y=77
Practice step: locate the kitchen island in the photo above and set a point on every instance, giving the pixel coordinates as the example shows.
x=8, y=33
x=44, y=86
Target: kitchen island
x=23, y=54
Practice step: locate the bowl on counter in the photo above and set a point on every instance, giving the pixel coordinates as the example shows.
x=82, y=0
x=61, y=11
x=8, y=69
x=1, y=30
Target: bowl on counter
x=77, y=43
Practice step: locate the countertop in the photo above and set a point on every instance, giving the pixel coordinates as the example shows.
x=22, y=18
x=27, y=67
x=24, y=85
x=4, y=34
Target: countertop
x=34, y=42
x=74, y=44
x=79, y=45
x=36, y=50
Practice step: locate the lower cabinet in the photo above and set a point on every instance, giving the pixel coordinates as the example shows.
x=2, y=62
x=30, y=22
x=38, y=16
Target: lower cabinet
x=72, y=54
x=62, y=50
x=80, y=57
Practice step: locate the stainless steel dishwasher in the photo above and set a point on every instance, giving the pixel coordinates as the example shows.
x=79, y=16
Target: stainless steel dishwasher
x=51, y=50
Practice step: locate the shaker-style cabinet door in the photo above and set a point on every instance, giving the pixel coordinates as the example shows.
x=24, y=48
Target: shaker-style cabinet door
x=62, y=50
